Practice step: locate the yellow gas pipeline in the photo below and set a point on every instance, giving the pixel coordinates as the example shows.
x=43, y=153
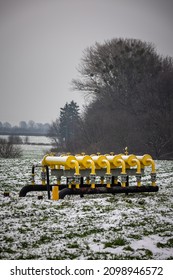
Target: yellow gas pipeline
x=146, y=160
x=86, y=162
x=68, y=162
x=102, y=162
x=98, y=162
x=131, y=161
x=117, y=161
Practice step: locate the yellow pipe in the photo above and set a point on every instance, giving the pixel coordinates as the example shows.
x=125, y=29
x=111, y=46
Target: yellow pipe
x=152, y=165
x=144, y=159
x=102, y=162
x=147, y=160
x=99, y=161
x=151, y=161
x=117, y=161
x=138, y=170
x=43, y=181
x=83, y=161
x=138, y=165
x=92, y=165
x=43, y=162
x=108, y=171
x=131, y=160
x=108, y=166
x=86, y=161
x=76, y=166
x=123, y=184
x=55, y=192
x=66, y=161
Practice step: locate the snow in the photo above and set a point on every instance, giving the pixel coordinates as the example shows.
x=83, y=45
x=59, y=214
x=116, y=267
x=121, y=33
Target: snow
x=84, y=228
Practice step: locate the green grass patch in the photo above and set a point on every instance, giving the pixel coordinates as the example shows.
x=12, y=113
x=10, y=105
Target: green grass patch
x=114, y=243
x=128, y=248
x=134, y=236
x=168, y=244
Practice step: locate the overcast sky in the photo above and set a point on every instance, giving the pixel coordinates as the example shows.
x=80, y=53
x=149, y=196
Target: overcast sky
x=41, y=44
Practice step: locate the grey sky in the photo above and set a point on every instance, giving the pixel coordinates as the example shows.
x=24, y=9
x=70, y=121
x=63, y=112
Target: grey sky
x=41, y=43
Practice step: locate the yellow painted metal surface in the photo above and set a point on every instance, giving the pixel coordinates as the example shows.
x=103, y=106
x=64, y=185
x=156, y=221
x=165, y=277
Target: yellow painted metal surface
x=98, y=165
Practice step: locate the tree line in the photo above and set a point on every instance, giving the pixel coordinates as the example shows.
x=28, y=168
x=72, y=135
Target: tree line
x=24, y=128
x=129, y=87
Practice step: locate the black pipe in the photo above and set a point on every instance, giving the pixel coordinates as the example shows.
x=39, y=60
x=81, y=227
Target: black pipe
x=32, y=188
x=48, y=184
x=104, y=189
x=86, y=189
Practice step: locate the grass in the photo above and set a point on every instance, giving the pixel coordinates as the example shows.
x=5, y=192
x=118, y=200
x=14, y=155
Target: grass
x=91, y=228
x=168, y=244
x=114, y=243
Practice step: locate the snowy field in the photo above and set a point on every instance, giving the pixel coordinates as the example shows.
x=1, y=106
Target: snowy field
x=137, y=226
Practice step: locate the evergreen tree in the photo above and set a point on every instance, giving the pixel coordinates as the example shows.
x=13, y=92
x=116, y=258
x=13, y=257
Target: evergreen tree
x=64, y=131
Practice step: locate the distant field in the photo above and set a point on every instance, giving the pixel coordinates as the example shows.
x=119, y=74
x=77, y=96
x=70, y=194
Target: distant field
x=137, y=226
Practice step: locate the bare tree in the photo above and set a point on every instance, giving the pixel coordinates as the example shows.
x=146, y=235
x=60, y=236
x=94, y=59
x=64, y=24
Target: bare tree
x=9, y=150
x=130, y=87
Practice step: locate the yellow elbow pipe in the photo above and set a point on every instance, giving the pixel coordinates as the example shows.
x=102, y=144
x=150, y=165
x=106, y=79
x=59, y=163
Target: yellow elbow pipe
x=135, y=160
x=108, y=170
x=108, y=166
x=92, y=165
x=123, y=166
x=146, y=160
x=138, y=165
x=123, y=170
x=152, y=165
x=76, y=166
x=117, y=161
x=153, y=172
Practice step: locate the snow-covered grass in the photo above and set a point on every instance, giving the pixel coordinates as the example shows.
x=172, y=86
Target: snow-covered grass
x=137, y=226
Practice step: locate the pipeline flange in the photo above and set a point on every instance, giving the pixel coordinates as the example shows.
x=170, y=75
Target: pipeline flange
x=123, y=178
x=92, y=178
x=77, y=179
x=108, y=178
